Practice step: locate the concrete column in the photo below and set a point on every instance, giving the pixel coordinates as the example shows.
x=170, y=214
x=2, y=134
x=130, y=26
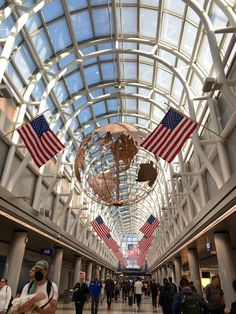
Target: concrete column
x=226, y=266
x=163, y=272
x=77, y=268
x=89, y=271
x=159, y=272
x=56, y=268
x=177, y=269
x=15, y=259
x=103, y=274
x=193, y=263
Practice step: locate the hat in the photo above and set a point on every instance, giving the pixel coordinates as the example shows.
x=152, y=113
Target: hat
x=41, y=265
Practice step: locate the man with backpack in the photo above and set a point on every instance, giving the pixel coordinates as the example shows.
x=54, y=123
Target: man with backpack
x=44, y=293
x=187, y=301
x=166, y=297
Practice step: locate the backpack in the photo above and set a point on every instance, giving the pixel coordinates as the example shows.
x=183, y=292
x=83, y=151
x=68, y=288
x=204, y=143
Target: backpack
x=189, y=303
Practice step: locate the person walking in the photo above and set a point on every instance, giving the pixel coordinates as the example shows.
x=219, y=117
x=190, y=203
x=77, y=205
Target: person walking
x=5, y=296
x=80, y=295
x=95, y=287
x=138, y=286
x=215, y=296
x=187, y=301
x=44, y=292
x=109, y=289
x=154, y=292
x=166, y=297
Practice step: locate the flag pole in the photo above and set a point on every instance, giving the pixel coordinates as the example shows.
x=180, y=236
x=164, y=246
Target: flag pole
x=23, y=124
x=205, y=127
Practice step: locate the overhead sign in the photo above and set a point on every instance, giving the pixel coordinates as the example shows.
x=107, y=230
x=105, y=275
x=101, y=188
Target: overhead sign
x=49, y=252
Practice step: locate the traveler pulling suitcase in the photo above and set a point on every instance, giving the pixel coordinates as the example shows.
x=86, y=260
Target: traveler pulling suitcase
x=130, y=300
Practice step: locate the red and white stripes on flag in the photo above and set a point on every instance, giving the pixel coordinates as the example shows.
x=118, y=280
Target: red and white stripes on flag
x=145, y=243
x=150, y=225
x=100, y=227
x=170, y=135
x=40, y=140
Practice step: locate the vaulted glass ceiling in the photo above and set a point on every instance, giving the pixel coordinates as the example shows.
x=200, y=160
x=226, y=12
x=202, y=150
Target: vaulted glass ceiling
x=96, y=62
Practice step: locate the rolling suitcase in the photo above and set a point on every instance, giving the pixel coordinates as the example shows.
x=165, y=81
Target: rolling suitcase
x=130, y=300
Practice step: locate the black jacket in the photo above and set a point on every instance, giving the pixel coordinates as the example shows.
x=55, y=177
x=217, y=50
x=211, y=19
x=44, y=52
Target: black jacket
x=80, y=292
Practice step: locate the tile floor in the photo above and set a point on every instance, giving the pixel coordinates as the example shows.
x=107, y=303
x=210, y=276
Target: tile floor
x=117, y=308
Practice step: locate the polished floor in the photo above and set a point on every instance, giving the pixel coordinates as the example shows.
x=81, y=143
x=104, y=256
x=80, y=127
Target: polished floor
x=116, y=308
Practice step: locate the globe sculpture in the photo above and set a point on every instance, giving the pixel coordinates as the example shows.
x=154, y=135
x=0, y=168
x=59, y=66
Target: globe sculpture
x=112, y=168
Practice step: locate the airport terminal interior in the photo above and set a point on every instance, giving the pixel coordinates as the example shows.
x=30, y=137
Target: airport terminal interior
x=134, y=173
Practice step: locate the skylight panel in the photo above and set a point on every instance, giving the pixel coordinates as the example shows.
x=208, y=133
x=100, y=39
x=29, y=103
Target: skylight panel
x=144, y=91
x=99, y=108
x=131, y=105
x=58, y=125
x=175, y=6
x=130, y=71
x=52, y=10
x=60, y=91
x=171, y=27
x=144, y=107
x=145, y=73
x=177, y=88
x=33, y=23
x=74, y=82
x=6, y=26
x=41, y=45
x=192, y=16
x=164, y=79
x=24, y=61
x=154, y=3
x=108, y=72
x=112, y=105
x=14, y=77
x=85, y=115
x=38, y=90
x=188, y=38
x=103, y=21
x=103, y=122
x=97, y=93
x=60, y=35
x=75, y=4
x=92, y=74
x=107, y=56
x=97, y=2
x=148, y=26
x=204, y=56
x=196, y=85
x=168, y=57
x=127, y=21
x=130, y=89
x=82, y=26
x=218, y=17
x=89, y=129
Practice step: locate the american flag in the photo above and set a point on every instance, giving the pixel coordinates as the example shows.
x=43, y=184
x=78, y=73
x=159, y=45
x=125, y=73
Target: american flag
x=111, y=243
x=170, y=135
x=40, y=140
x=100, y=227
x=150, y=225
x=145, y=243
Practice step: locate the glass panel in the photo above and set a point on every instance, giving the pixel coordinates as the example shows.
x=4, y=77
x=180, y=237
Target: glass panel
x=127, y=20
x=74, y=82
x=103, y=22
x=108, y=71
x=24, y=62
x=14, y=77
x=75, y=4
x=188, y=39
x=60, y=35
x=174, y=6
x=99, y=108
x=53, y=10
x=82, y=25
x=41, y=44
x=66, y=61
x=92, y=74
x=85, y=115
x=204, y=56
x=34, y=23
x=164, y=79
x=145, y=73
x=148, y=22
x=144, y=107
x=130, y=70
x=171, y=27
x=61, y=92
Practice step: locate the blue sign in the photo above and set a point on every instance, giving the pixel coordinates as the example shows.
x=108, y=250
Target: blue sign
x=49, y=252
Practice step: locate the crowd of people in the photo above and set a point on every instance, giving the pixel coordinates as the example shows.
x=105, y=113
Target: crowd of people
x=39, y=295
